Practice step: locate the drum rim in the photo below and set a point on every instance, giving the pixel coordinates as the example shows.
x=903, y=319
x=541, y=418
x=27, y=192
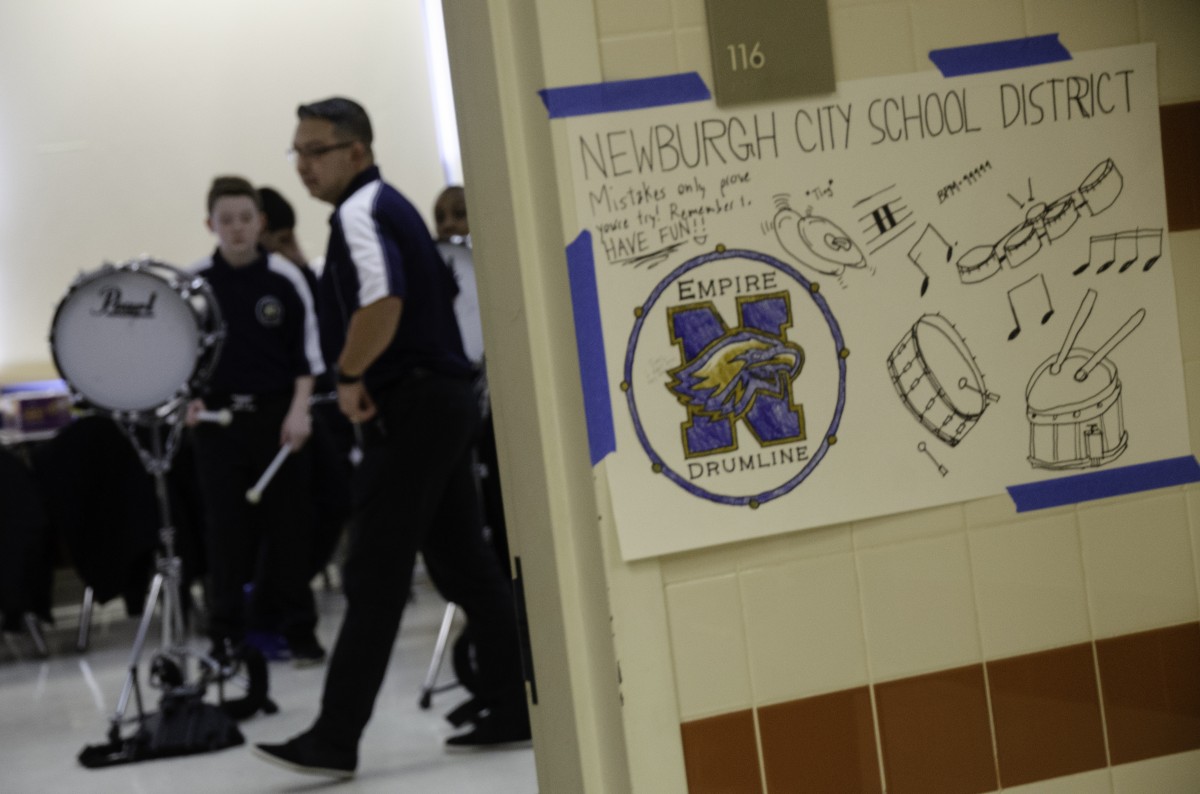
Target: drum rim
x=209, y=342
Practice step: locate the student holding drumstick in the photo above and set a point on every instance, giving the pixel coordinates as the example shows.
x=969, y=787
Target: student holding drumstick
x=264, y=376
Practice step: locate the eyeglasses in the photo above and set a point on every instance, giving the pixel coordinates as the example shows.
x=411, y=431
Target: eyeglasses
x=316, y=152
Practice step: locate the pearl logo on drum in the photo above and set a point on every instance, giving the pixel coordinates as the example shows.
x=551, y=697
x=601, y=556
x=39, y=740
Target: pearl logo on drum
x=112, y=305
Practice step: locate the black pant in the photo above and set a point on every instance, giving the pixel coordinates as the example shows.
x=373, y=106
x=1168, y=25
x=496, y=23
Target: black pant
x=229, y=461
x=415, y=491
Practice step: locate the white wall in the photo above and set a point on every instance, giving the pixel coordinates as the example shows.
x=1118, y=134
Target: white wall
x=116, y=114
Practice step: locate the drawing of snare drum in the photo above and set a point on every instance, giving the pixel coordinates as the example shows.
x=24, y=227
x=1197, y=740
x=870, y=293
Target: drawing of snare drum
x=1075, y=424
x=938, y=380
x=978, y=264
x=1060, y=217
x=1101, y=187
x=1021, y=244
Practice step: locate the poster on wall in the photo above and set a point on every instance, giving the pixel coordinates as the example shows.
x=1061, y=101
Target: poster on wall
x=918, y=290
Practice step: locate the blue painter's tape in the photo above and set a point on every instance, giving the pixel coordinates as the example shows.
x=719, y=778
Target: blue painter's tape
x=997, y=55
x=585, y=100
x=593, y=369
x=1102, y=484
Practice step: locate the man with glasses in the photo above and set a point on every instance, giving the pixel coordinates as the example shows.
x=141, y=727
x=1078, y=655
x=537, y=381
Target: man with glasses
x=388, y=330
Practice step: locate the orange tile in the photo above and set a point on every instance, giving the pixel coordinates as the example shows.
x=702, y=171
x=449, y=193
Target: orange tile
x=1046, y=712
x=720, y=755
x=935, y=733
x=1150, y=684
x=822, y=743
x=1180, y=125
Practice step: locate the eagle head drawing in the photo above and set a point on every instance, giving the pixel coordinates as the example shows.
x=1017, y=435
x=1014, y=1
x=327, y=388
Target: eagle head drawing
x=725, y=378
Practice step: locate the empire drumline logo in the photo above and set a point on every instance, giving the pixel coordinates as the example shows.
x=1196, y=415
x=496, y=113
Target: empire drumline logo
x=726, y=418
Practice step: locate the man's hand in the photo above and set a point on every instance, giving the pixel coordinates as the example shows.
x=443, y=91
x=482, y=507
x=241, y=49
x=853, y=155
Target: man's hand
x=355, y=402
x=297, y=427
x=191, y=417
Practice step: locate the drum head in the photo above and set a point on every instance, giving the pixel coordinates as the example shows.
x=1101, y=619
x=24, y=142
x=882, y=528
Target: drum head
x=947, y=359
x=126, y=340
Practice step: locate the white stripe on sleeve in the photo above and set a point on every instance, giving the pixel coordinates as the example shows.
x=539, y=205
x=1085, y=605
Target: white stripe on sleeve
x=312, y=341
x=366, y=249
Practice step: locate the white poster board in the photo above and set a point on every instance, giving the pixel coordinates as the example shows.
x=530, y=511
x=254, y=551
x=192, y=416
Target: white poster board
x=915, y=291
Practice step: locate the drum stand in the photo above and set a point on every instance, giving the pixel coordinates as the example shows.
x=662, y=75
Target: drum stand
x=185, y=724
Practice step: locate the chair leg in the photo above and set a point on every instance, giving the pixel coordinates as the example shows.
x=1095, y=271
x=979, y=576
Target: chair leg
x=85, y=619
x=34, y=627
x=439, y=653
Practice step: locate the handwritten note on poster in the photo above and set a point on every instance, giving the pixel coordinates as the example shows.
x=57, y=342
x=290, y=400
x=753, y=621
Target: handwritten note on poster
x=914, y=291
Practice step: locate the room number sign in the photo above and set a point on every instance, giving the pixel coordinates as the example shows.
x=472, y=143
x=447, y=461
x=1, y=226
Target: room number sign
x=765, y=50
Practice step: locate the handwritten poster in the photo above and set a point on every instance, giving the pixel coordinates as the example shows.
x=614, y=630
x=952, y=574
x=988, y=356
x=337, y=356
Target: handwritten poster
x=917, y=290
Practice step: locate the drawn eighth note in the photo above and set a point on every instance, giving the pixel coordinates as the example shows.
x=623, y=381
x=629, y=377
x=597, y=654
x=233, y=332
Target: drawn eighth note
x=1028, y=294
x=1124, y=249
x=930, y=247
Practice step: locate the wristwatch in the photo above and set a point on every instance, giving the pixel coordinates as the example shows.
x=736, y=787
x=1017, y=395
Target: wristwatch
x=348, y=379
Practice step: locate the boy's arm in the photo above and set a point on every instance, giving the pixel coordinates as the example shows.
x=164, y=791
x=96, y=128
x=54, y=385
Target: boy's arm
x=297, y=425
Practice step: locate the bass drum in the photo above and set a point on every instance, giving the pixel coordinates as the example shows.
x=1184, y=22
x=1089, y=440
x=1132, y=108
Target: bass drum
x=137, y=336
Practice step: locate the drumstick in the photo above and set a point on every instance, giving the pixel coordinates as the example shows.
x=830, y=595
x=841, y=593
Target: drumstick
x=222, y=417
x=255, y=493
x=1081, y=317
x=1106, y=348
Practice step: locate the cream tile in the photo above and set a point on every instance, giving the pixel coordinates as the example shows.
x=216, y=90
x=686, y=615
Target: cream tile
x=1185, y=264
x=1029, y=586
x=689, y=13
x=1172, y=774
x=956, y=23
x=918, y=607
x=796, y=546
x=700, y=564
x=1137, y=557
x=708, y=645
x=872, y=40
x=1192, y=494
x=638, y=55
x=804, y=628
x=1191, y=384
x=1098, y=781
x=616, y=17
x=1175, y=26
x=1002, y=509
x=1085, y=26
x=692, y=52
x=773, y=550
x=903, y=527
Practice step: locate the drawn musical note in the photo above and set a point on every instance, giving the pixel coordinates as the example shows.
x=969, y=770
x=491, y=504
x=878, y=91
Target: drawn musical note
x=930, y=247
x=1029, y=293
x=1155, y=238
x=1126, y=247
x=1124, y=251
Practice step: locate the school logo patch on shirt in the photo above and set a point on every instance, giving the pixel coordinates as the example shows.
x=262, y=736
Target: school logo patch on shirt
x=269, y=311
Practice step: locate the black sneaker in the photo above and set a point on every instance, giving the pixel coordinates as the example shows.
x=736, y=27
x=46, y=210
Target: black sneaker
x=493, y=731
x=309, y=756
x=306, y=653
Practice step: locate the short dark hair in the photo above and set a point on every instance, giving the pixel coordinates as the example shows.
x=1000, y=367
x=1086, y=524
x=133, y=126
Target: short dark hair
x=279, y=212
x=347, y=116
x=223, y=186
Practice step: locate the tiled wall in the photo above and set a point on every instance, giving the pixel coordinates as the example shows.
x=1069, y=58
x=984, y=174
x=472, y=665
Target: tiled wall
x=963, y=648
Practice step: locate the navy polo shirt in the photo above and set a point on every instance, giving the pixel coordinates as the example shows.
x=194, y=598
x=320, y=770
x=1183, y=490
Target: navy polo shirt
x=379, y=247
x=270, y=325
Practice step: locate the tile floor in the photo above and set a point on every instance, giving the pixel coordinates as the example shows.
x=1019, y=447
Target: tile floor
x=50, y=708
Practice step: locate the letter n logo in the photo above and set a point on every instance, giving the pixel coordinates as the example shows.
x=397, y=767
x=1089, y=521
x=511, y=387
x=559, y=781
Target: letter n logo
x=727, y=375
